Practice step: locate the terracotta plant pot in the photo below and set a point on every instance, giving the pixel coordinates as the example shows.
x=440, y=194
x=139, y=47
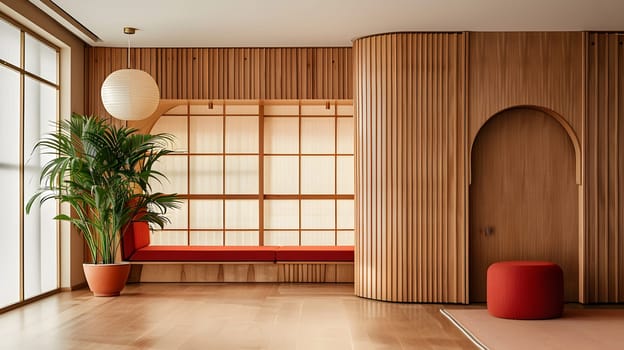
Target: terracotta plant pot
x=106, y=280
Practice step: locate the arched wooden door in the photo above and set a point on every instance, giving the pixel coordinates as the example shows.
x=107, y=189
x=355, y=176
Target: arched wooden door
x=523, y=197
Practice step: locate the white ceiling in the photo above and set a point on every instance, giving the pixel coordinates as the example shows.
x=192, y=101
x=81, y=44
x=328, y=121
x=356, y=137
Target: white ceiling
x=284, y=23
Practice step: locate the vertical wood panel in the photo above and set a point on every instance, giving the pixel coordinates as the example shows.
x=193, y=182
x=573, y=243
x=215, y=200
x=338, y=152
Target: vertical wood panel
x=228, y=73
x=410, y=144
x=542, y=69
x=289, y=272
x=604, y=171
x=524, y=190
x=410, y=180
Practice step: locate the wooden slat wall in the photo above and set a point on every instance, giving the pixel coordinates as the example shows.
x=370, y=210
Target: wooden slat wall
x=604, y=170
x=228, y=73
x=411, y=221
x=411, y=167
x=316, y=273
x=233, y=272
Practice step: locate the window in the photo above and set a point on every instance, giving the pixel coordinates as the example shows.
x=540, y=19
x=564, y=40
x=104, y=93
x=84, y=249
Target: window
x=259, y=173
x=29, y=103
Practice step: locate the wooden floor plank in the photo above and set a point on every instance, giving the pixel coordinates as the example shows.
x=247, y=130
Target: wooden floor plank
x=227, y=316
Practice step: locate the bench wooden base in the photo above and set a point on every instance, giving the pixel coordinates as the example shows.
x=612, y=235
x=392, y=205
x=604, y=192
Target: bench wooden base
x=326, y=272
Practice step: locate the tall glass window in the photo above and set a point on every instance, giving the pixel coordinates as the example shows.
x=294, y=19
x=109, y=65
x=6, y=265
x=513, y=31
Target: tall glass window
x=29, y=104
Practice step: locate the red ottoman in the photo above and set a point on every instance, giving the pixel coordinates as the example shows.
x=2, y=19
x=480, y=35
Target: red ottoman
x=525, y=290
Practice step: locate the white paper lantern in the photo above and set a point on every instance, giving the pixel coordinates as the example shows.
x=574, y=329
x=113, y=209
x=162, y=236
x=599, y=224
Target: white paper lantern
x=130, y=94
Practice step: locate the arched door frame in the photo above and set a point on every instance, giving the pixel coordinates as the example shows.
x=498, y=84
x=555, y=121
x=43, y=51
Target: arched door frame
x=559, y=118
x=578, y=155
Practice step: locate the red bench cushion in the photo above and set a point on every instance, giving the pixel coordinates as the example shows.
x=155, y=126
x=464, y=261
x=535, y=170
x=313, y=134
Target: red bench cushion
x=204, y=253
x=137, y=236
x=314, y=253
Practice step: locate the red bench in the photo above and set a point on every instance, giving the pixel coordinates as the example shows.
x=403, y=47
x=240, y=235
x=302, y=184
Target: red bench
x=136, y=240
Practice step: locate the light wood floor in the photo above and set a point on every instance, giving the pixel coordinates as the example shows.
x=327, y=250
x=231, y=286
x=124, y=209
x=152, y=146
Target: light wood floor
x=227, y=316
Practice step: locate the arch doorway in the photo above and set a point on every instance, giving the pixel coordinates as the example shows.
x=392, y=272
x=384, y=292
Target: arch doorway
x=523, y=197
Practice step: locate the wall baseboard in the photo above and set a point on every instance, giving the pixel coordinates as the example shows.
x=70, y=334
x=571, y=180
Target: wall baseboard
x=78, y=286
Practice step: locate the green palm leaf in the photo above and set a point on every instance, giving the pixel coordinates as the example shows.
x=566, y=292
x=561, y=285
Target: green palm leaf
x=104, y=172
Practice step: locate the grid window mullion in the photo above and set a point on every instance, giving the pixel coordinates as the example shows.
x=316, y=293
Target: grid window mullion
x=277, y=163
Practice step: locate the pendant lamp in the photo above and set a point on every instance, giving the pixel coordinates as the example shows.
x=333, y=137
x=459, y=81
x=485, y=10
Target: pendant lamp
x=130, y=94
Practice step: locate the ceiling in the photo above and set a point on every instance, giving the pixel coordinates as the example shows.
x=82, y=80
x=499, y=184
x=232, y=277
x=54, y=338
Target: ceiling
x=287, y=23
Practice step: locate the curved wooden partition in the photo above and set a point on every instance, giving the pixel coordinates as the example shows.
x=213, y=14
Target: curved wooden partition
x=411, y=167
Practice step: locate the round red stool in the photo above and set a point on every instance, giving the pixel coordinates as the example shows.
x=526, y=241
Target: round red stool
x=525, y=290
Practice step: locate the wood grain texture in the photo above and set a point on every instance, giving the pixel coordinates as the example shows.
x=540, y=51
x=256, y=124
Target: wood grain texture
x=562, y=73
x=274, y=316
x=410, y=167
x=543, y=69
x=523, y=197
x=228, y=73
x=198, y=272
x=310, y=272
x=604, y=169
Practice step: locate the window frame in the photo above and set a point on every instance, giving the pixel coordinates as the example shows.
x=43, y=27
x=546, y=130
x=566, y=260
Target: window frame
x=261, y=197
x=23, y=73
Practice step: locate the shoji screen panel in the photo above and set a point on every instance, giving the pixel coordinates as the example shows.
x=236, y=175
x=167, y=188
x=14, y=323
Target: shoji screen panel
x=249, y=172
x=281, y=140
x=604, y=170
x=215, y=170
x=301, y=159
x=228, y=73
x=176, y=167
x=410, y=167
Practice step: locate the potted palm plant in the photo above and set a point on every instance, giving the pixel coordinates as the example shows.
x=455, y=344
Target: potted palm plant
x=104, y=172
